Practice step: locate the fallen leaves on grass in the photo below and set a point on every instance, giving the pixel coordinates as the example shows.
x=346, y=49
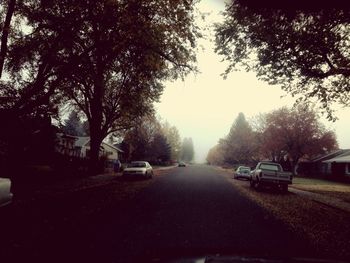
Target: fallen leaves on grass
x=325, y=227
x=332, y=189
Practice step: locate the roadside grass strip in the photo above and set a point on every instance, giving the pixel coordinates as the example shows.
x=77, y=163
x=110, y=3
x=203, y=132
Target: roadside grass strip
x=324, y=187
x=325, y=227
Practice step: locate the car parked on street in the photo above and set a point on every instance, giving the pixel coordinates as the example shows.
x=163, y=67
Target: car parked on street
x=5, y=191
x=270, y=174
x=242, y=172
x=138, y=169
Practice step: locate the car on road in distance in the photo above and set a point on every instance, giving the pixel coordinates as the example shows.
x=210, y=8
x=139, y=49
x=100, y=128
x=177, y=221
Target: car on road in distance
x=242, y=172
x=5, y=191
x=138, y=169
x=182, y=164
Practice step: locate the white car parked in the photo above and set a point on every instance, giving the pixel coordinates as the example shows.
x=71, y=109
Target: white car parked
x=138, y=169
x=242, y=172
x=5, y=191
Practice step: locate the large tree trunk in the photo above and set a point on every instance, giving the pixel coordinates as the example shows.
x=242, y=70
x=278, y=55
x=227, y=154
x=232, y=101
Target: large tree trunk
x=5, y=33
x=95, y=143
x=96, y=132
x=295, y=162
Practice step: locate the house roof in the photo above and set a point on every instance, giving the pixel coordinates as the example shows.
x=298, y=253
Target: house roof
x=113, y=147
x=63, y=135
x=339, y=159
x=346, y=153
x=84, y=140
x=81, y=141
x=331, y=155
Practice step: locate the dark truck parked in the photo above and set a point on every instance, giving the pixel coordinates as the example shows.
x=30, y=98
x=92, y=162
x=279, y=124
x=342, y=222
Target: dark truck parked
x=270, y=174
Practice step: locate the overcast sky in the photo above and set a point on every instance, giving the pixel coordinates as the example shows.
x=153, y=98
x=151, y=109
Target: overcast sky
x=205, y=105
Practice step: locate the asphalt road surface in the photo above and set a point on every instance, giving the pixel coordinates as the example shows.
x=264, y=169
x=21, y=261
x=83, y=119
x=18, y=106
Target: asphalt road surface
x=191, y=211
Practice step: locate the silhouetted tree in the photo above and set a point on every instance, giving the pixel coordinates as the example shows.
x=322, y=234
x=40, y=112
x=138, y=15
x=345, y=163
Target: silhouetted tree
x=73, y=125
x=173, y=138
x=109, y=58
x=139, y=138
x=301, y=45
x=239, y=145
x=147, y=141
x=160, y=149
x=5, y=28
x=215, y=155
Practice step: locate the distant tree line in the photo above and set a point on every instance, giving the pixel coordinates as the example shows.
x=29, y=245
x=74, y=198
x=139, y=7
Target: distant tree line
x=187, y=150
x=285, y=134
x=151, y=140
x=156, y=141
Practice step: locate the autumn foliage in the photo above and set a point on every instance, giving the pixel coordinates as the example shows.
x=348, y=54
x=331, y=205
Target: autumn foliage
x=283, y=133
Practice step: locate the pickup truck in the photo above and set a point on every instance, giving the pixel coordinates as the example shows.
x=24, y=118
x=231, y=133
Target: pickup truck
x=272, y=174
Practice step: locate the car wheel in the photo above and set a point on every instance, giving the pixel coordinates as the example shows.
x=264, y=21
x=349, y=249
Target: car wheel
x=151, y=175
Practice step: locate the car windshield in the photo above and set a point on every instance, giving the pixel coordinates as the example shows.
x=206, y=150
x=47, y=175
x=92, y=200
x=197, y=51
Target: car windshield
x=137, y=164
x=271, y=167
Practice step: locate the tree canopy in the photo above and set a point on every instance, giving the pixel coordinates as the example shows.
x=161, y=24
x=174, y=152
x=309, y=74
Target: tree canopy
x=160, y=149
x=147, y=141
x=107, y=58
x=239, y=144
x=293, y=133
x=173, y=138
x=297, y=133
x=301, y=45
x=73, y=125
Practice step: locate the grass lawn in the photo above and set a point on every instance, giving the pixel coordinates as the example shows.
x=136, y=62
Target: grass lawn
x=320, y=186
x=333, y=189
x=317, y=223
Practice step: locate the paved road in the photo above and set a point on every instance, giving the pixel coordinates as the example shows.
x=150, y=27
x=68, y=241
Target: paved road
x=191, y=211
x=194, y=211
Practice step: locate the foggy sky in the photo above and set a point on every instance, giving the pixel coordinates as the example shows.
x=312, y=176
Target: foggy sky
x=204, y=106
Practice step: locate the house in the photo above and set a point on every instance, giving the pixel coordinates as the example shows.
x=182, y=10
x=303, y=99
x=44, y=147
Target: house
x=112, y=153
x=331, y=165
x=79, y=147
x=340, y=165
x=65, y=145
x=82, y=144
